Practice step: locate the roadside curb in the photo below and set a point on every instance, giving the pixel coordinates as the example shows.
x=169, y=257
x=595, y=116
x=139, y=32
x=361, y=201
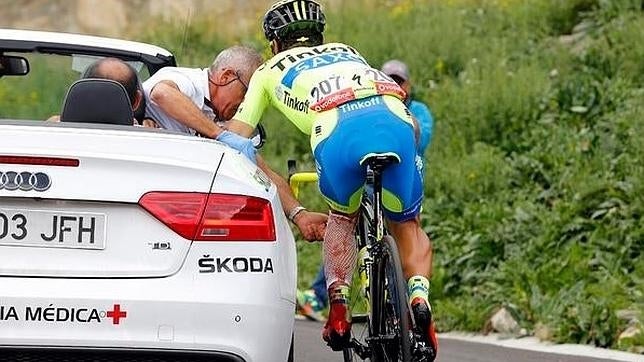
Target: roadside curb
x=533, y=344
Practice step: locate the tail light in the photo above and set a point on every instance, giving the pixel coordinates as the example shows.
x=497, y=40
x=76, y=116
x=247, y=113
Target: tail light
x=180, y=211
x=39, y=161
x=212, y=217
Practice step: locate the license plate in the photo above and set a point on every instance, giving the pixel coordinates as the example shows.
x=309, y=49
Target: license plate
x=52, y=229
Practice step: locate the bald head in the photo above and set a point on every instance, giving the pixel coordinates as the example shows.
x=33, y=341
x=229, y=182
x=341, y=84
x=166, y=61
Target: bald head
x=116, y=70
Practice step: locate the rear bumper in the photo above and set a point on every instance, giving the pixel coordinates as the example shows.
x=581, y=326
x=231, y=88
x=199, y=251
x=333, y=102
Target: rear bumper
x=247, y=316
x=43, y=354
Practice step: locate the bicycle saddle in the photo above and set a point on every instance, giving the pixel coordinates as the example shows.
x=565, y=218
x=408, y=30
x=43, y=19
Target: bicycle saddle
x=381, y=160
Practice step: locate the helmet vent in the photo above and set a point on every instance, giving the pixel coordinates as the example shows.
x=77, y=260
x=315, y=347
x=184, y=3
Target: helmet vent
x=293, y=14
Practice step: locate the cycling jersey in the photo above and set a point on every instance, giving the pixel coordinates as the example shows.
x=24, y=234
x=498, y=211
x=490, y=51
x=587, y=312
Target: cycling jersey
x=349, y=110
x=303, y=81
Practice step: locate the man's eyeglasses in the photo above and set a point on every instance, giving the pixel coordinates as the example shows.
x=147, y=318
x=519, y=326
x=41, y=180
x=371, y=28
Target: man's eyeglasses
x=237, y=77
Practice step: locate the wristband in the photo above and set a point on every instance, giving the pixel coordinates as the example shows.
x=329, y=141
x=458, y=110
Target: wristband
x=294, y=211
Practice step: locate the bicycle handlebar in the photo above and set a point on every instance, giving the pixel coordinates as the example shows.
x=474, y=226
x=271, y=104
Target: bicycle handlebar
x=298, y=178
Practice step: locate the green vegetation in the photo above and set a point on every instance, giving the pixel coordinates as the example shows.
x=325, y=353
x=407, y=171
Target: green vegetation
x=39, y=94
x=535, y=177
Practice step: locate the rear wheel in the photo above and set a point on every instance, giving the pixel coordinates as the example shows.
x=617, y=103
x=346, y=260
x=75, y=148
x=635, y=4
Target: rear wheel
x=389, y=307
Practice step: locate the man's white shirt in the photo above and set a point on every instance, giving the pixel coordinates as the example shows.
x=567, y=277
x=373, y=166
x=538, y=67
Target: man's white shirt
x=192, y=82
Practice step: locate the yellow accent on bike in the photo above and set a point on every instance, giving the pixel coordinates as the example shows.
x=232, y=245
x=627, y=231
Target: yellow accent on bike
x=299, y=178
x=363, y=259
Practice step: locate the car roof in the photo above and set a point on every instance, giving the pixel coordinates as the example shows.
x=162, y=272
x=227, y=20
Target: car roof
x=67, y=43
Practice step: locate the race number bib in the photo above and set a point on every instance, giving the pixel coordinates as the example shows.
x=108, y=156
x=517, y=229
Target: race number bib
x=339, y=89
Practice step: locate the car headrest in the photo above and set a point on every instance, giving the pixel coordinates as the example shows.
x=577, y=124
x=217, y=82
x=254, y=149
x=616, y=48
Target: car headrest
x=94, y=100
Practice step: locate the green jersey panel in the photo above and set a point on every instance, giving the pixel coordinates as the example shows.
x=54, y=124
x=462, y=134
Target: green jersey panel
x=305, y=81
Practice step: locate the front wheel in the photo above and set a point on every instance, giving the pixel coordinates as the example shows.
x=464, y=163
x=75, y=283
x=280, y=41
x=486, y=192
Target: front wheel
x=389, y=307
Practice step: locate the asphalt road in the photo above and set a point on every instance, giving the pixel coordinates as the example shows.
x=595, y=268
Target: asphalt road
x=309, y=347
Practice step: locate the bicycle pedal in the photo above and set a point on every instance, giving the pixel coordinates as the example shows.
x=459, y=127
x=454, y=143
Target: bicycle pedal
x=423, y=353
x=339, y=342
x=360, y=349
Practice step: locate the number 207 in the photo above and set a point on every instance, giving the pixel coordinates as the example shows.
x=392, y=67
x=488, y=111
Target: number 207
x=325, y=87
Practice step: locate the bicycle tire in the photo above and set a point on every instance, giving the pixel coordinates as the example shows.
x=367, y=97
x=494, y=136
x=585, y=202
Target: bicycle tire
x=389, y=306
x=347, y=354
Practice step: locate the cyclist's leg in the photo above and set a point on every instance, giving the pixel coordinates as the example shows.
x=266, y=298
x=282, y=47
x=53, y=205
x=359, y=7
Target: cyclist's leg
x=422, y=235
x=416, y=254
x=402, y=196
x=340, y=183
x=403, y=191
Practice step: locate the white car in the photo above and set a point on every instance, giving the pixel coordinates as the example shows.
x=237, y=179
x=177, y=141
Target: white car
x=127, y=243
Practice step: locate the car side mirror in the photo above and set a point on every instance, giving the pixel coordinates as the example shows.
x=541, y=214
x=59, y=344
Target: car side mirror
x=13, y=65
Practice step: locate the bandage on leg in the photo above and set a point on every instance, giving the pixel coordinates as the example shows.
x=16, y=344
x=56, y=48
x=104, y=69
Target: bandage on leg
x=339, y=260
x=339, y=249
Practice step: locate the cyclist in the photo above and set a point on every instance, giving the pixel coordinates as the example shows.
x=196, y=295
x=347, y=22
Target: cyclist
x=350, y=110
x=312, y=301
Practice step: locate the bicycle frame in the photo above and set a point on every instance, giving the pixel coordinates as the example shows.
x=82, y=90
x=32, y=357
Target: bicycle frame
x=376, y=249
x=371, y=237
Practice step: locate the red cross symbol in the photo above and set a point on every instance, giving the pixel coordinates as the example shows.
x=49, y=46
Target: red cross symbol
x=116, y=314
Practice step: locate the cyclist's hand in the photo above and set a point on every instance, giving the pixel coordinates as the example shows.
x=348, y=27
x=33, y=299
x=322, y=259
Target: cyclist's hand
x=312, y=225
x=240, y=143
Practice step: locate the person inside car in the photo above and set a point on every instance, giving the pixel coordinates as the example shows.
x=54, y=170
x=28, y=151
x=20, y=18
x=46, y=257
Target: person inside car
x=117, y=70
x=196, y=101
x=120, y=71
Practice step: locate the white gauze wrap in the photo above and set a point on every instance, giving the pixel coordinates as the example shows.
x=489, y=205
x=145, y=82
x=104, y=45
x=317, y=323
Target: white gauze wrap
x=340, y=252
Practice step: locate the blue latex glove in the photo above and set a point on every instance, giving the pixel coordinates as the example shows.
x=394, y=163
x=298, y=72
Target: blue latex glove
x=241, y=144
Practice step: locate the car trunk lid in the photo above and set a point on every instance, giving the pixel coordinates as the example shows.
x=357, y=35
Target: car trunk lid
x=81, y=217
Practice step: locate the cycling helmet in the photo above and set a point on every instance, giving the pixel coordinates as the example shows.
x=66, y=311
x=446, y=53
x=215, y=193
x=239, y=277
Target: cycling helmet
x=293, y=17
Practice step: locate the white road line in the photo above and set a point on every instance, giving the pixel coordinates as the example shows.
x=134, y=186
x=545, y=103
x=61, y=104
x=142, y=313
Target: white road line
x=533, y=344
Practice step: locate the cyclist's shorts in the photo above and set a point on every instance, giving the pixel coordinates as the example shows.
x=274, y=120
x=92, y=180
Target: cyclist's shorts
x=343, y=136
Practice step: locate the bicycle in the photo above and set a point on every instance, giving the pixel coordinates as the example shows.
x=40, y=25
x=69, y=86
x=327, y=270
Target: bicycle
x=391, y=333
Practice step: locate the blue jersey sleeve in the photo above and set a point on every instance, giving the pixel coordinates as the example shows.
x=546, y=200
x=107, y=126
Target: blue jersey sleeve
x=426, y=123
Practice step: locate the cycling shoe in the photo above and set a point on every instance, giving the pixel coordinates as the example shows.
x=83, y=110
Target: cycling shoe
x=425, y=328
x=337, y=330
